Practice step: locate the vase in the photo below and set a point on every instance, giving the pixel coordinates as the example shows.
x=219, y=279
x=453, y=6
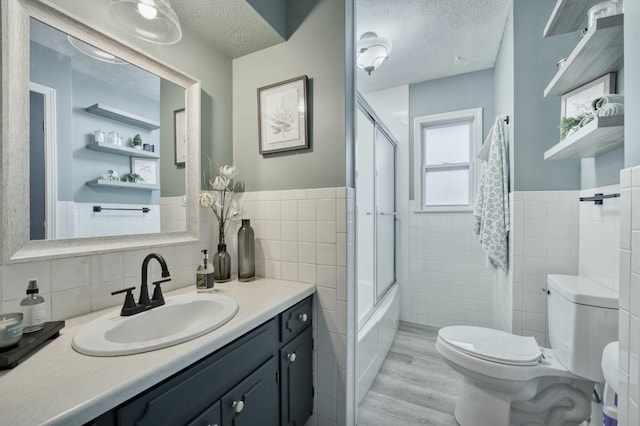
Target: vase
x=222, y=264
x=246, y=252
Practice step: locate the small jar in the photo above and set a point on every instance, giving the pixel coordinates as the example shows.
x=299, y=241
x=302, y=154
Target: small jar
x=603, y=9
x=98, y=136
x=112, y=138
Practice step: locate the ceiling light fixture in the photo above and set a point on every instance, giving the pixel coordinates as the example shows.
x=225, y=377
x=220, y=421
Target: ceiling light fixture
x=372, y=51
x=94, y=52
x=150, y=20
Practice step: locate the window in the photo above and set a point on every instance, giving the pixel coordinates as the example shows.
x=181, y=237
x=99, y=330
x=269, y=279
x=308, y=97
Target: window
x=445, y=147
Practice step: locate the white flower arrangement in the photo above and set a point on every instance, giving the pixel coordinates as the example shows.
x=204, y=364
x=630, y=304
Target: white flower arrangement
x=221, y=199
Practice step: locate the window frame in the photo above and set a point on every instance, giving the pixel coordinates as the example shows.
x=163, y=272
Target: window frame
x=473, y=115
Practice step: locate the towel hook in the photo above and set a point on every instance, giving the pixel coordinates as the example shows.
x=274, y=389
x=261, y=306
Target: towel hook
x=505, y=118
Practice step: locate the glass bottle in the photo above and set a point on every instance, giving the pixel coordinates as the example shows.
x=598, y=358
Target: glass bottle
x=32, y=308
x=246, y=252
x=222, y=264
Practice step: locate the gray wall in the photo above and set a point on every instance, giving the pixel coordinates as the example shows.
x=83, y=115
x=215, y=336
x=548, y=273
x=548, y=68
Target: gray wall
x=464, y=91
x=172, y=177
x=88, y=164
x=503, y=86
x=324, y=163
x=632, y=83
x=536, y=118
x=52, y=70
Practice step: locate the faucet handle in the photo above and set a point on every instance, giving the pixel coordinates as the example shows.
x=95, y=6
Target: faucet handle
x=129, y=301
x=158, y=298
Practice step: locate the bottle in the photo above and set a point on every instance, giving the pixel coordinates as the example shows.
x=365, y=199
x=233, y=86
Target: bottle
x=204, y=274
x=32, y=308
x=246, y=252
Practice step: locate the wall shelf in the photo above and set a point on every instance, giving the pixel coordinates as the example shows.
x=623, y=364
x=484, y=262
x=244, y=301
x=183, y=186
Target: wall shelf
x=123, y=185
x=121, y=150
x=600, y=51
x=603, y=134
x=568, y=16
x=123, y=116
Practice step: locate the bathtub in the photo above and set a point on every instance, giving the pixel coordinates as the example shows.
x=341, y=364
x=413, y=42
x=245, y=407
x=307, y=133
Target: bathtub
x=374, y=341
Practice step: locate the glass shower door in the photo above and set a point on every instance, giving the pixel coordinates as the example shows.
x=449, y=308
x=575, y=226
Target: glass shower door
x=385, y=154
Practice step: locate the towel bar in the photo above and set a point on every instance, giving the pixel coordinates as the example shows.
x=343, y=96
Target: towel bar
x=599, y=197
x=98, y=209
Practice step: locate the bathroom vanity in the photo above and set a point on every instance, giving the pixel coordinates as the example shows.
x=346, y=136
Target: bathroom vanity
x=256, y=369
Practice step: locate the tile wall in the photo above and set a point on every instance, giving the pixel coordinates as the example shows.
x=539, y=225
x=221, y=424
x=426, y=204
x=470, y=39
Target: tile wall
x=301, y=235
x=544, y=238
x=629, y=286
x=78, y=220
x=449, y=282
x=600, y=237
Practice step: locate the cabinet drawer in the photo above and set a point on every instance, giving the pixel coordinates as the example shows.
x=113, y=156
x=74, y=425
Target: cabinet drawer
x=255, y=400
x=183, y=396
x=210, y=417
x=295, y=319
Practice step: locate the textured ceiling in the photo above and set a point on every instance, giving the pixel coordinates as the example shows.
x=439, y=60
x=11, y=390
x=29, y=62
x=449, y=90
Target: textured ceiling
x=233, y=26
x=428, y=35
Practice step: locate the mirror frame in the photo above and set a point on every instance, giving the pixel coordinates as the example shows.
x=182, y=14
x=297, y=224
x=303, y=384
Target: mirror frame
x=15, y=244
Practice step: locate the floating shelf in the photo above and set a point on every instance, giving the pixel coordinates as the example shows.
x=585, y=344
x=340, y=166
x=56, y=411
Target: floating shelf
x=600, y=51
x=603, y=134
x=122, y=185
x=121, y=150
x=568, y=16
x=123, y=116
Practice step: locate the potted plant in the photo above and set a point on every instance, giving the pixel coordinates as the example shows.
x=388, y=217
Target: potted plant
x=137, y=141
x=131, y=177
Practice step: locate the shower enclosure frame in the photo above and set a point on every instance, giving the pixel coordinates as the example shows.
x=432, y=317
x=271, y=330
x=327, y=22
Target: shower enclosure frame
x=377, y=215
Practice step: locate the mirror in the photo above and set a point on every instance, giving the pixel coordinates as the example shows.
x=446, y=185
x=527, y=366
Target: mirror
x=79, y=163
x=87, y=177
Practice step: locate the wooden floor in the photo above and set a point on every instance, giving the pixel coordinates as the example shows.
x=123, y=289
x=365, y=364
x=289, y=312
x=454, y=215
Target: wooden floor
x=414, y=386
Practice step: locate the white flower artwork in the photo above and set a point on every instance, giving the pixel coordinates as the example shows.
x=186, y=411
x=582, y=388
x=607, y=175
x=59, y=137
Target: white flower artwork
x=283, y=116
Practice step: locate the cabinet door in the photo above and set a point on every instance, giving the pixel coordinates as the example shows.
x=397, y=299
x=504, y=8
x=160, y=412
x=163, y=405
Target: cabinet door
x=295, y=319
x=296, y=385
x=255, y=400
x=209, y=417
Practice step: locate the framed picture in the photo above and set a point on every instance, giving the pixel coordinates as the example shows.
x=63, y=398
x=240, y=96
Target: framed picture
x=147, y=169
x=179, y=137
x=578, y=101
x=282, y=116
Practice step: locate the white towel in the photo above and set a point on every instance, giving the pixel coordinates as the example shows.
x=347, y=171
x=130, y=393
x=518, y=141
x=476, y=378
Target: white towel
x=611, y=109
x=606, y=99
x=491, y=207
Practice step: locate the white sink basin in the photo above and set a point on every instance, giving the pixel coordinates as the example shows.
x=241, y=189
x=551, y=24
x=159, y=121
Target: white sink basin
x=180, y=319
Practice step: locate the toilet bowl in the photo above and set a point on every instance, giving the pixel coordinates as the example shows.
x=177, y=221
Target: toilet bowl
x=510, y=380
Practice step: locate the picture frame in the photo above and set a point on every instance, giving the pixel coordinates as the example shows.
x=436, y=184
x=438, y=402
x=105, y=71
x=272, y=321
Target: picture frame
x=579, y=100
x=282, y=116
x=147, y=168
x=179, y=137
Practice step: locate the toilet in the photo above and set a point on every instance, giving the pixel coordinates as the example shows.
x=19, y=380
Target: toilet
x=510, y=380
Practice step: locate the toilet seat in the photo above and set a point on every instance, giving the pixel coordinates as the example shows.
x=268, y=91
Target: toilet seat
x=493, y=345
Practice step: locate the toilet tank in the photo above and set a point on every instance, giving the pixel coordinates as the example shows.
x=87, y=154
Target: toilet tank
x=583, y=319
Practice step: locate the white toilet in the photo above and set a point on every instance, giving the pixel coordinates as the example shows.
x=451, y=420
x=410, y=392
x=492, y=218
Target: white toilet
x=510, y=380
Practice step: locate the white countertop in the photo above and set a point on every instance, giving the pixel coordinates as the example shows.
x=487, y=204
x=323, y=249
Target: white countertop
x=59, y=386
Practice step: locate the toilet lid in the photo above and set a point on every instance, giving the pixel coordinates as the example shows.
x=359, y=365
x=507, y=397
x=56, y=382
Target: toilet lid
x=492, y=345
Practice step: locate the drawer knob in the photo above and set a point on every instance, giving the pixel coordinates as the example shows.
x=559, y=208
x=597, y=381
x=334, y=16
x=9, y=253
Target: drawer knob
x=291, y=357
x=303, y=317
x=237, y=406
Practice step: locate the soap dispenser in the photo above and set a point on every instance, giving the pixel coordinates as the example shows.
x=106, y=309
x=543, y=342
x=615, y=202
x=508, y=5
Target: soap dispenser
x=204, y=274
x=32, y=308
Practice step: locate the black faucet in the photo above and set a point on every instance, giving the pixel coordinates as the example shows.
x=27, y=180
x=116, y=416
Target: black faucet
x=130, y=306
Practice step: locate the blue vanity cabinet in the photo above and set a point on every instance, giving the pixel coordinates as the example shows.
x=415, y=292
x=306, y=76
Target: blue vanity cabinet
x=262, y=378
x=296, y=376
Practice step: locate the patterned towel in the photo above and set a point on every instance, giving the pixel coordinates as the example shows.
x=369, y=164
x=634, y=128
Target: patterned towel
x=491, y=207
